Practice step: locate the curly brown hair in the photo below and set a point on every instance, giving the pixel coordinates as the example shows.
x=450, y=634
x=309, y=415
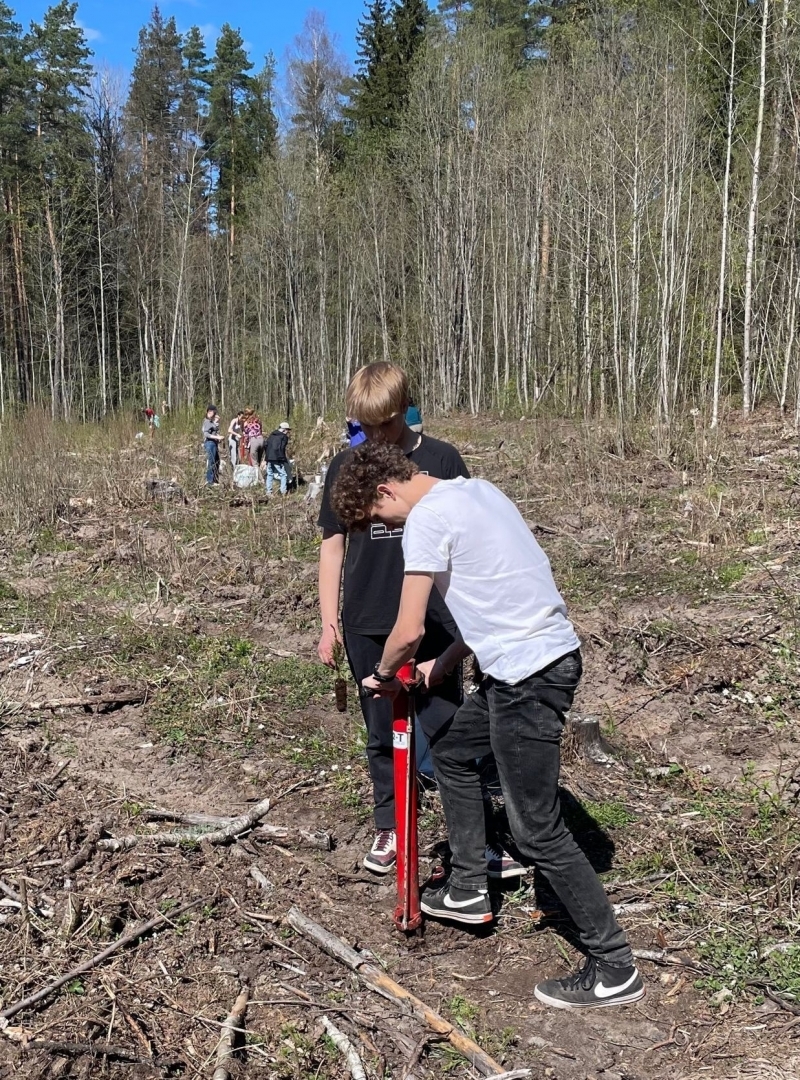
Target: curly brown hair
x=355, y=489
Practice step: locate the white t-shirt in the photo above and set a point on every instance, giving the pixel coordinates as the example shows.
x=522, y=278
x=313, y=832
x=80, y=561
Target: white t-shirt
x=493, y=576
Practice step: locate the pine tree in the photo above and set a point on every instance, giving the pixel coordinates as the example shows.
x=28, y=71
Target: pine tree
x=16, y=128
x=155, y=95
x=226, y=136
x=63, y=148
x=388, y=42
x=513, y=23
x=259, y=119
x=194, y=93
x=371, y=104
x=60, y=54
x=410, y=20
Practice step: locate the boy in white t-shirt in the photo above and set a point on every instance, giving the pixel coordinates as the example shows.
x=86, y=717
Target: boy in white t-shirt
x=470, y=541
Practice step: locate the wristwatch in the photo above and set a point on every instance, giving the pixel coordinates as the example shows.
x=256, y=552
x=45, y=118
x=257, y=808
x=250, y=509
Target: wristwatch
x=381, y=678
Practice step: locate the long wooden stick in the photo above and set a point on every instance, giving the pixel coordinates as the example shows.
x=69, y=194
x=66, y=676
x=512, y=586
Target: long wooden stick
x=126, y=939
x=235, y=827
x=376, y=980
x=231, y=1026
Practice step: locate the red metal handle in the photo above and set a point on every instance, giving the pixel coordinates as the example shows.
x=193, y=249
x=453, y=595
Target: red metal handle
x=407, y=915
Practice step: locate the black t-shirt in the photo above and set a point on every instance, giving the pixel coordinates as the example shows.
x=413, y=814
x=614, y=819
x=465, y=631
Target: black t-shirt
x=373, y=565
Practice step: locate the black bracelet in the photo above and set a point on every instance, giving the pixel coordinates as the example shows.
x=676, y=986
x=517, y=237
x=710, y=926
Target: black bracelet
x=381, y=678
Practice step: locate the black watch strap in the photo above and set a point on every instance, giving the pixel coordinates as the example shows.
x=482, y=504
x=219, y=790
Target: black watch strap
x=381, y=678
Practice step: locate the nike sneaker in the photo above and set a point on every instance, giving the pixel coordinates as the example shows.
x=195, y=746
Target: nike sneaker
x=595, y=986
x=470, y=906
x=499, y=864
x=382, y=856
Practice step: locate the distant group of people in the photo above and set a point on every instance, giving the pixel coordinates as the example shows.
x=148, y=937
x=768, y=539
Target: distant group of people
x=247, y=446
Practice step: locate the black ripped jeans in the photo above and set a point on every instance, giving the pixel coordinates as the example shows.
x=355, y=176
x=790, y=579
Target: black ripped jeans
x=522, y=725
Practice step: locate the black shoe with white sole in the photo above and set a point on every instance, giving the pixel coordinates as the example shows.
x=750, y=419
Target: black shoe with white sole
x=595, y=986
x=470, y=906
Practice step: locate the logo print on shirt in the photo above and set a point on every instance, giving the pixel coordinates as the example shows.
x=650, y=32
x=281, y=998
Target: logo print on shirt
x=383, y=532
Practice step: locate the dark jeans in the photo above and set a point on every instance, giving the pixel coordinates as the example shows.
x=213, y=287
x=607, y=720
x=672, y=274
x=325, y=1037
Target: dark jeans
x=433, y=711
x=522, y=725
x=212, y=461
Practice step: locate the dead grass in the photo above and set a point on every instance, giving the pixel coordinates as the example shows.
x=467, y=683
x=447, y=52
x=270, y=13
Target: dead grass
x=679, y=563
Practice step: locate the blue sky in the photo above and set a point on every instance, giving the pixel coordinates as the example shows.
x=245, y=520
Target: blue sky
x=112, y=26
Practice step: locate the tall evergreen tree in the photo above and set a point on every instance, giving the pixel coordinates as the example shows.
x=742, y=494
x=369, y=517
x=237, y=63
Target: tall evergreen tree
x=388, y=41
x=371, y=104
x=156, y=90
x=260, y=121
x=60, y=57
x=16, y=127
x=229, y=148
x=194, y=95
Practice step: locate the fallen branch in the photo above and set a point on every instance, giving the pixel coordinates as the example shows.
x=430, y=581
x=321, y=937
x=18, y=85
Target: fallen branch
x=107, y=1050
x=231, y=1026
x=516, y=1074
x=81, y=857
x=133, y=697
x=20, y=639
x=379, y=982
x=126, y=939
x=235, y=827
x=345, y=1047
x=318, y=839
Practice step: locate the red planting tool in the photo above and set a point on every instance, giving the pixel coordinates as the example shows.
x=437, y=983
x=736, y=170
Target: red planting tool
x=407, y=914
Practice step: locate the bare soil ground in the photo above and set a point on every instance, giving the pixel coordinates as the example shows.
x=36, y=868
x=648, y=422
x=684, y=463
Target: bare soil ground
x=681, y=571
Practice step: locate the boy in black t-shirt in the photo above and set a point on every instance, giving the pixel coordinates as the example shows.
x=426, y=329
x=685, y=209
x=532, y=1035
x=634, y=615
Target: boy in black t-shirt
x=373, y=579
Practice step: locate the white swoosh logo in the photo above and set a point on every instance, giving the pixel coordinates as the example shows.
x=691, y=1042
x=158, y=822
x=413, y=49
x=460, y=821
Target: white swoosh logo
x=609, y=991
x=459, y=903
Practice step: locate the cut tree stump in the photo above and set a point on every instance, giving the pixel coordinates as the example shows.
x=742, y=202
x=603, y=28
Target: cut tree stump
x=589, y=742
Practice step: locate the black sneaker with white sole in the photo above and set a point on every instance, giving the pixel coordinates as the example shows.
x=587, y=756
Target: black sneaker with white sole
x=499, y=864
x=471, y=906
x=595, y=986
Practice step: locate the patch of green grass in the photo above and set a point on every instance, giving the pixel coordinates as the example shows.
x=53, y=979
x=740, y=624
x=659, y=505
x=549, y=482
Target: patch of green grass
x=464, y=1012
x=610, y=815
x=7, y=592
x=755, y=537
x=348, y=786
x=731, y=573
x=314, y=751
x=47, y=542
x=294, y=682
x=740, y=959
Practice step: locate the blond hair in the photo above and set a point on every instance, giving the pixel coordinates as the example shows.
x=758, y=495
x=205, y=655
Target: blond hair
x=377, y=392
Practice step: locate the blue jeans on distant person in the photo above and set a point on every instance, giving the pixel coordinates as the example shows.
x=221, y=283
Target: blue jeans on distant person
x=277, y=468
x=212, y=461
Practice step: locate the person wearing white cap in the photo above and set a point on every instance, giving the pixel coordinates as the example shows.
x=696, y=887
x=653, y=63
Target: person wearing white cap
x=277, y=460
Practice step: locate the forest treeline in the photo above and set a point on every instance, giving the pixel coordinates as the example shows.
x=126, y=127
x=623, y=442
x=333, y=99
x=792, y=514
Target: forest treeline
x=574, y=206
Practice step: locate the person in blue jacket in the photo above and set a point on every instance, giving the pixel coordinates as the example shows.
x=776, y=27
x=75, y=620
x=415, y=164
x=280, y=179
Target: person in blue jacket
x=355, y=432
x=414, y=417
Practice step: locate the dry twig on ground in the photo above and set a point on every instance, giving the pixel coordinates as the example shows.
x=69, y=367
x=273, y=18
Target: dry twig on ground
x=379, y=982
x=346, y=1048
x=132, y=936
x=227, y=1040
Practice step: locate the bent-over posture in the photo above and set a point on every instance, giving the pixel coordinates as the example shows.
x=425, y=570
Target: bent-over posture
x=470, y=541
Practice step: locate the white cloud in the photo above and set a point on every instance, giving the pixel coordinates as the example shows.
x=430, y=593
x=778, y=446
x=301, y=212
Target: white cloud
x=210, y=33
x=88, y=32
